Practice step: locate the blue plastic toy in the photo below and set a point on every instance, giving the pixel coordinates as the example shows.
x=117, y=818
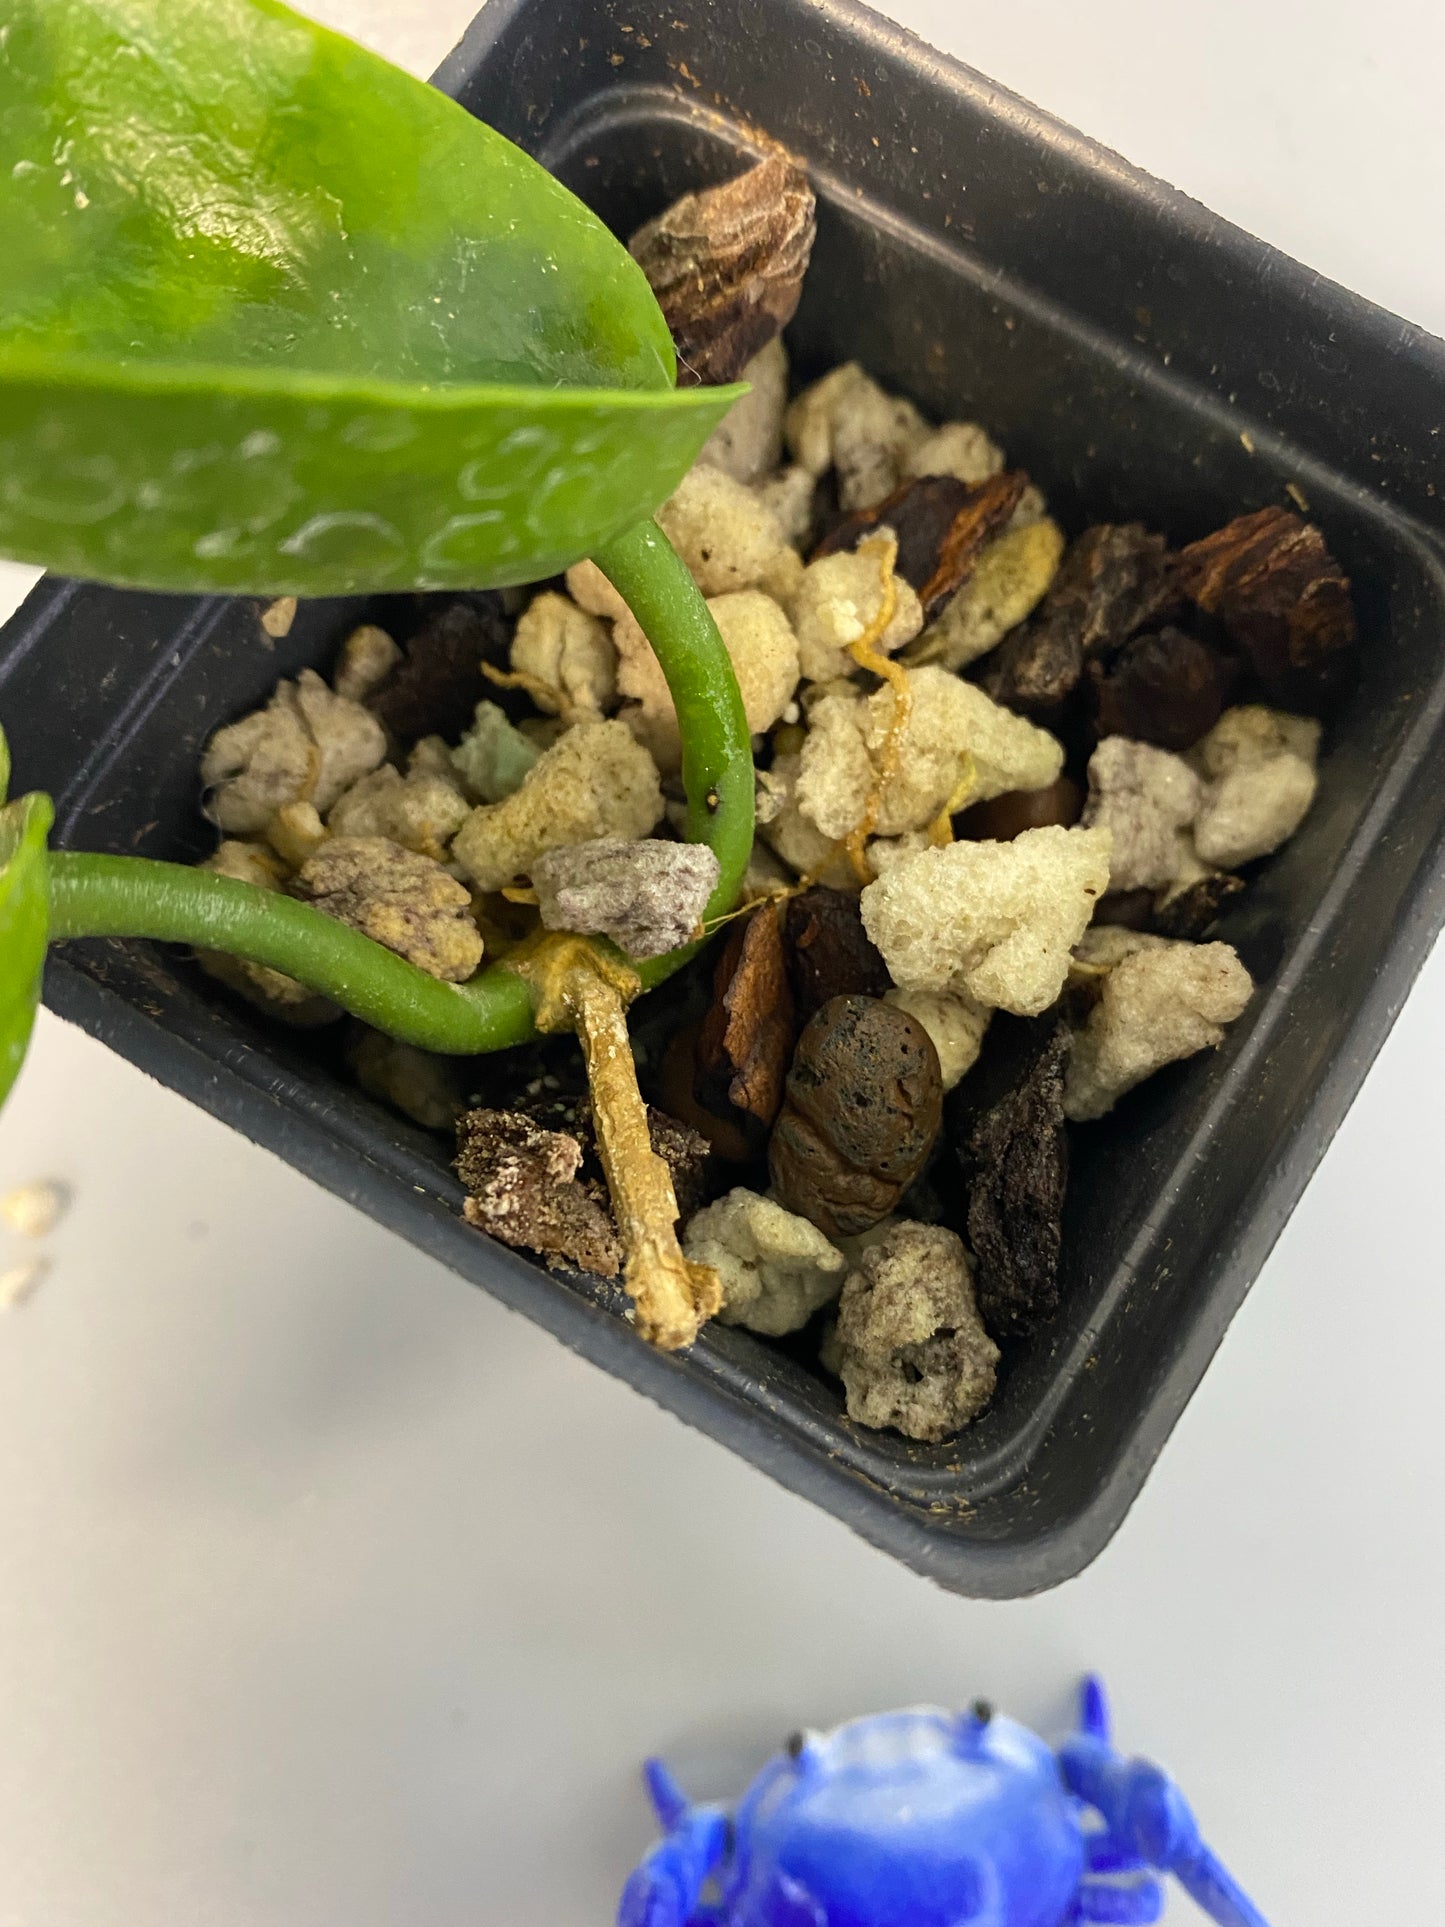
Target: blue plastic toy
x=932, y=1819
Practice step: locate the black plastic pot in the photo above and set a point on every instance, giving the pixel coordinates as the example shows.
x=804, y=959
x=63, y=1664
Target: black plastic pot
x=1140, y=359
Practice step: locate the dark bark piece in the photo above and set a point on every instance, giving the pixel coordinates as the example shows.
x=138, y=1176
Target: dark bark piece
x=1168, y=689
x=435, y=689
x=1134, y=909
x=1284, y=600
x=727, y=266
x=1004, y=817
x=1191, y=911
x=942, y=526
x=678, y=1086
x=685, y=1152
x=523, y=1189
x=1016, y=1158
x=747, y=1036
x=1115, y=580
x=863, y=1108
x=829, y=953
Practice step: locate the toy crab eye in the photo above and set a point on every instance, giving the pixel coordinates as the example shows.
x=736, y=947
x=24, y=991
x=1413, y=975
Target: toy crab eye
x=794, y=1744
x=982, y=1711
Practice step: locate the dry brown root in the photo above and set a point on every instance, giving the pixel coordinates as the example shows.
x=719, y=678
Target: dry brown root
x=580, y=988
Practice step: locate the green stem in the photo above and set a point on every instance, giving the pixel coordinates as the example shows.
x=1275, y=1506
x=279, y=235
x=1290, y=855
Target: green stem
x=108, y=896
x=128, y=896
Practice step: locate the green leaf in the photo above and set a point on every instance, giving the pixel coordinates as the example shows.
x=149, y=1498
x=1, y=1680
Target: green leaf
x=24, y=926
x=277, y=318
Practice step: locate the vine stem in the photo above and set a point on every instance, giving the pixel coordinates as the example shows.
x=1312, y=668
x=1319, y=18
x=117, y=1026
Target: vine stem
x=109, y=896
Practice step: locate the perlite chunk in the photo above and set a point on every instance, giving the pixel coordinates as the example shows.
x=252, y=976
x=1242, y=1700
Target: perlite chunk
x=1158, y=1001
x=998, y=921
x=836, y=602
x=955, y=733
x=1146, y=798
x=789, y=495
x=776, y=1268
x=493, y=757
x=961, y=449
x=560, y=647
x=421, y=812
x=846, y=421
x=648, y=896
x=1009, y=580
x=748, y=442
x=764, y=653
x=910, y=1346
x=367, y=658
x=306, y=745
x=1260, y=766
x=397, y=898
x=596, y=781
x=955, y=1023
x=726, y=536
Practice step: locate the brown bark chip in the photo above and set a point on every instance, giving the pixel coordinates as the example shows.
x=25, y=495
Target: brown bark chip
x=747, y=1036
x=1115, y=580
x=1284, y=600
x=435, y=689
x=942, y=525
x=1016, y=1156
x=727, y=266
x=1168, y=689
x=829, y=953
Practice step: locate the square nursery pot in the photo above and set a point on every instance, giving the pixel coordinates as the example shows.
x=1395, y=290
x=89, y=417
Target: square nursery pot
x=1142, y=360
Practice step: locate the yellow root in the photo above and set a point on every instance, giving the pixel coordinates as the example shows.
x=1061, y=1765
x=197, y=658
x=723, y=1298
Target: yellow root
x=542, y=692
x=581, y=988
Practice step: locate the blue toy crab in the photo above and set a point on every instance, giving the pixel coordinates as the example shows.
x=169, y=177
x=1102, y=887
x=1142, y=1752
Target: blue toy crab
x=932, y=1819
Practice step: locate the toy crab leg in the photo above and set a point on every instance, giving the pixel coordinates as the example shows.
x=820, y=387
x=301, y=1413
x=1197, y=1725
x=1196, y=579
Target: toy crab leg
x=579, y=987
x=1120, y=1906
x=665, y=1890
x=1146, y=1813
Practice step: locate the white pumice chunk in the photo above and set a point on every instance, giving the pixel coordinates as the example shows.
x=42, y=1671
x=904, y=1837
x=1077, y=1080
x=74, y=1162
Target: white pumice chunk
x=789, y=496
x=748, y=442
x=1261, y=780
x=1158, y=1002
x=955, y=1023
x=423, y=1086
x=726, y=536
x=955, y=733
x=307, y=745
x=838, y=599
x=561, y=647
x=997, y=921
x=846, y=421
x=296, y=831
x=777, y=1269
x=797, y=840
x=367, y=658
x=1146, y=798
x=420, y=811
x=590, y=590
x=759, y=640
x=278, y=617
x=960, y=449
x=910, y=1345
x=597, y=780
x=1010, y=579
x=34, y=1210
x=493, y=758
x=647, y=895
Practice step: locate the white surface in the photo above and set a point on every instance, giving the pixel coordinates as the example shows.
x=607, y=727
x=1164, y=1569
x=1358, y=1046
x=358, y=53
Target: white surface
x=330, y=1593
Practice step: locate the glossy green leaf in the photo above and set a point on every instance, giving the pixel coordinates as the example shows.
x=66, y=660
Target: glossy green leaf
x=277, y=318
x=24, y=926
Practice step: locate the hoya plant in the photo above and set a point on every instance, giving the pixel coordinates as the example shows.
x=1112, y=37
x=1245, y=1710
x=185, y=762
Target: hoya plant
x=277, y=319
